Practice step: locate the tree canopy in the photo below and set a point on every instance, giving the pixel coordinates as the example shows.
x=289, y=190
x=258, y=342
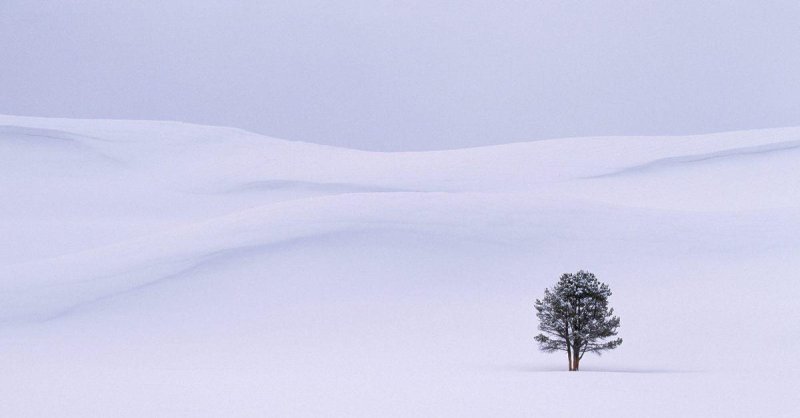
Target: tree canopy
x=574, y=316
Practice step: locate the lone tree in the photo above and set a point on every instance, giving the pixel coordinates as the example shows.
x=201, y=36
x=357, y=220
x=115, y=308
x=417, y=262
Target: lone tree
x=574, y=317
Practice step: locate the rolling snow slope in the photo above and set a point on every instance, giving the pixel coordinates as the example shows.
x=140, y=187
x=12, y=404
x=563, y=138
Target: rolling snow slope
x=167, y=269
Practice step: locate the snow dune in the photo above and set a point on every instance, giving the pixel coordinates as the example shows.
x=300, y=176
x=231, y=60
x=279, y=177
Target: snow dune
x=167, y=269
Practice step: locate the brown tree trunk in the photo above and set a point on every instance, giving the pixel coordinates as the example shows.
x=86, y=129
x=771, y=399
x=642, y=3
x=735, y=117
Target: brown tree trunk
x=574, y=350
x=569, y=357
x=569, y=346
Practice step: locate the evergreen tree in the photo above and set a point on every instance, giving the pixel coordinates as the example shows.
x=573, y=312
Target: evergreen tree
x=574, y=317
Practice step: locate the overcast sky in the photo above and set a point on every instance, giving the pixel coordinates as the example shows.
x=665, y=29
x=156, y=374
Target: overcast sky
x=398, y=75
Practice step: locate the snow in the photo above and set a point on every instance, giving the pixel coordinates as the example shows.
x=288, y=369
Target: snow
x=167, y=269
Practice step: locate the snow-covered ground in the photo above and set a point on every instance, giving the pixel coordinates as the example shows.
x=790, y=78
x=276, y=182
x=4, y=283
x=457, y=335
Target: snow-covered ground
x=166, y=269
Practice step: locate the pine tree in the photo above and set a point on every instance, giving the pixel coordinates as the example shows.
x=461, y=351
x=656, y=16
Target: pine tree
x=574, y=317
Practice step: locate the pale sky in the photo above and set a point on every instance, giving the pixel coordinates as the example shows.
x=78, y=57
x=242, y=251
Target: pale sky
x=408, y=75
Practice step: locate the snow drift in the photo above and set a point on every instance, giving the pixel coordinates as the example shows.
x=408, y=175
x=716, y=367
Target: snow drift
x=167, y=269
